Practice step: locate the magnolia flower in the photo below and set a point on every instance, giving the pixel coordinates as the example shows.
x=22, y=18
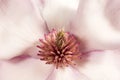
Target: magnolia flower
x=94, y=22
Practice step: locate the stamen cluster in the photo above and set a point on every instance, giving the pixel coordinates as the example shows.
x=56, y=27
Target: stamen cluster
x=59, y=48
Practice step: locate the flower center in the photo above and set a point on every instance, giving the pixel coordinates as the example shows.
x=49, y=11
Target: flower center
x=59, y=48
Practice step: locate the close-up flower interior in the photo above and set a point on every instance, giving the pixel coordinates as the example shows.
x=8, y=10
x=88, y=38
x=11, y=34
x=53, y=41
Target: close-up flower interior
x=59, y=40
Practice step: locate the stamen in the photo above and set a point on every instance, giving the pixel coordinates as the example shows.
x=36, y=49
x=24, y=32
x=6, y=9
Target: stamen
x=59, y=48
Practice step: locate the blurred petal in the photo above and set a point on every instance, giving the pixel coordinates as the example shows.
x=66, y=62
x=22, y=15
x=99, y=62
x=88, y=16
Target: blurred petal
x=112, y=13
x=101, y=66
x=92, y=26
x=67, y=73
x=29, y=69
x=20, y=27
x=58, y=13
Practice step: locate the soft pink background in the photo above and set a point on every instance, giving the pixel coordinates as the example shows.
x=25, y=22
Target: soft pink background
x=95, y=22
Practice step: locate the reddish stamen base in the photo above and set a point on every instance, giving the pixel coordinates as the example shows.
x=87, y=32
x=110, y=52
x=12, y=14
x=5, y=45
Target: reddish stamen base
x=59, y=48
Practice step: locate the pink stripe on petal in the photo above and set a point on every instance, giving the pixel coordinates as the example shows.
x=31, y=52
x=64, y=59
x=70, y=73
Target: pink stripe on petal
x=19, y=58
x=28, y=69
x=51, y=76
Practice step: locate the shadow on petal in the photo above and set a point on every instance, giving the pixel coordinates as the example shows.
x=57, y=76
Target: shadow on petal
x=67, y=73
x=88, y=57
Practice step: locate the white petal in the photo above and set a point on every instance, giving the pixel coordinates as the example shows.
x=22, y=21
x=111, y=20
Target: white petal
x=58, y=13
x=19, y=27
x=29, y=69
x=92, y=26
x=101, y=66
x=112, y=12
x=67, y=73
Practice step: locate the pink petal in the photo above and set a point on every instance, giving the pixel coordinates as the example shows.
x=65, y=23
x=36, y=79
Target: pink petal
x=101, y=65
x=92, y=26
x=28, y=69
x=112, y=13
x=68, y=73
x=20, y=27
x=58, y=13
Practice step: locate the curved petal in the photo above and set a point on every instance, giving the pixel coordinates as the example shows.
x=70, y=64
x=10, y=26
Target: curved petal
x=68, y=73
x=112, y=12
x=101, y=66
x=28, y=69
x=92, y=26
x=20, y=27
x=58, y=13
